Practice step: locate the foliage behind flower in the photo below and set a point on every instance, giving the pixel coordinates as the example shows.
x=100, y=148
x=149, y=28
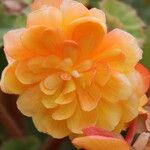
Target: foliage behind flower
x=70, y=73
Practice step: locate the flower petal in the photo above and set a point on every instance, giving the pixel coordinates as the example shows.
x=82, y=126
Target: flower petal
x=63, y=112
x=27, y=102
x=109, y=115
x=94, y=12
x=70, y=50
x=131, y=106
x=65, y=98
x=44, y=122
x=103, y=73
x=81, y=119
x=32, y=40
x=118, y=39
x=37, y=4
x=90, y=131
x=100, y=143
x=72, y=10
x=117, y=88
x=145, y=74
x=11, y=84
x=13, y=45
x=49, y=16
x=87, y=32
x=26, y=76
x=88, y=100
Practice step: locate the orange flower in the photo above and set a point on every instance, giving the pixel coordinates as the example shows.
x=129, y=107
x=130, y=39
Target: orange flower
x=70, y=73
x=97, y=139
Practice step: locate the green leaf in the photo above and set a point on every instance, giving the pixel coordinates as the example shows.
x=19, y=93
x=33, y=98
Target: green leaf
x=93, y=3
x=84, y=2
x=121, y=15
x=29, y=143
x=146, y=50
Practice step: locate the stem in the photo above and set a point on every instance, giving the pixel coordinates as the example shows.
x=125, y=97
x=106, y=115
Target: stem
x=9, y=123
x=131, y=131
x=51, y=144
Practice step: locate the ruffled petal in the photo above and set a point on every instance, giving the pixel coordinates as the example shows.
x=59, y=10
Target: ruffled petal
x=72, y=10
x=44, y=122
x=88, y=33
x=37, y=4
x=130, y=108
x=117, y=88
x=118, y=39
x=49, y=16
x=103, y=73
x=81, y=119
x=42, y=40
x=100, y=143
x=109, y=115
x=94, y=12
x=9, y=82
x=88, y=99
x=70, y=50
x=65, y=98
x=28, y=102
x=63, y=112
x=26, y=76
x=145, y=74
x=13, y=46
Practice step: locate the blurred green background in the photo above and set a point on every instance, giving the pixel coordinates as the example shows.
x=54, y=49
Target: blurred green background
x=130, y=15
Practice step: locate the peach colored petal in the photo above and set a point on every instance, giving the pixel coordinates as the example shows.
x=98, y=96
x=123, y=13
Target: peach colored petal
x=69, y=87
x=84, y=66
x=63, y=112
x=52, y=40
x=65, y=98
x=49, y=16
x=118, y=39
x=72, y=10
x=27, y=102
x=26, y=76
x=117, y=88
x=9, y=82
x=86, y=99
x=13, y=45
x=136, y=79
x=35, y=64
x=87, y=32
x=81, y=119
x=66, y=66
x=94, y=92
x=49, y=100
x=100, y=143
x=131, y=106
x=32, y=40
x=70, y=50
x=103, y=73
x=45, y=123
x=109, y=115
x=94, y=12
x=37, y=4
x=143, y=101
x=86, y=79
x=51, y=62
x=145, y=74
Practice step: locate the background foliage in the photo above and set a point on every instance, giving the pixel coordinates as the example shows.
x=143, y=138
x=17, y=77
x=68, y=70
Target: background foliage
x=130, y=15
